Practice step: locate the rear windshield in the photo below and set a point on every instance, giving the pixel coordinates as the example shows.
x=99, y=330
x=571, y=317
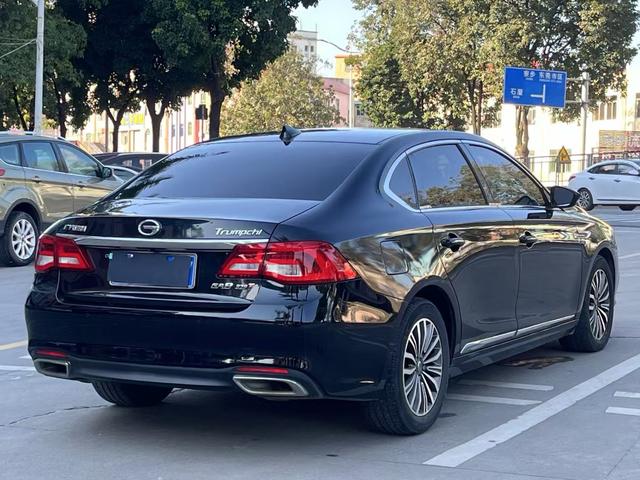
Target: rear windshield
x=300, y=170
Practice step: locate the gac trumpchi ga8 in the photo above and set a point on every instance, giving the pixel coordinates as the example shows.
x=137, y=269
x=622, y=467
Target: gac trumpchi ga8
x=365, y=265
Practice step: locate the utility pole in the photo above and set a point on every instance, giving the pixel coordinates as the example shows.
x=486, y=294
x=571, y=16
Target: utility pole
x=37, y=114
x=584, y=100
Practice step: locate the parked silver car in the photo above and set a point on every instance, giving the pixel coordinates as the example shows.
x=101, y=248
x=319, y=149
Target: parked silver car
x=43, y=179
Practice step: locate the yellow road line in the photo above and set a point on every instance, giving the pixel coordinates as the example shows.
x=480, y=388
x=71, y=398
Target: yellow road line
x=9, y=346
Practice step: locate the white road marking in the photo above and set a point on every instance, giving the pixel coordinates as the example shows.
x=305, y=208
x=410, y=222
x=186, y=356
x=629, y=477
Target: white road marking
x=518, y=386
x=16, y=368
x=624, y=411
x=627, y=394
x=25, y=357
x=485, y=399
x=458, y=455
x=9, y=346
x=631, y=255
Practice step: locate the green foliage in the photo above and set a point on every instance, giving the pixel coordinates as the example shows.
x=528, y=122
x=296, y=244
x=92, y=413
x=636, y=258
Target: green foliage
x=64, y=85
x=288, y=91
x=223, y=41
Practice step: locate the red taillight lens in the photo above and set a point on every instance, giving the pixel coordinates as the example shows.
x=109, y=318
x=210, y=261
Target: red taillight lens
x=289, y=262
x=262, y=369
x=47, y=352
x=59, y=252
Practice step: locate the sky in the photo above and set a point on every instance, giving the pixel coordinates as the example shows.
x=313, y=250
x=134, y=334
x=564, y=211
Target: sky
x=333, y=20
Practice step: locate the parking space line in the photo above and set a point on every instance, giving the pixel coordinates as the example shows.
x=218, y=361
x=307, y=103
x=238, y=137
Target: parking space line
x=9, y=346
x=624, y=411
x=518, y=386
x=627, y=394
x=16, y=368
x=458, y=455
x=486, y=399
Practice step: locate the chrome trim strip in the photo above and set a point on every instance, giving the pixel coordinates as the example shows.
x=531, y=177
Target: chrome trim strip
x=172, y=243
x=485, y=342
x=297, y=390
x=541, y=326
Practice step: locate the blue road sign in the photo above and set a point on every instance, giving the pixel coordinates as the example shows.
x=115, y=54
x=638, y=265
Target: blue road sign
x=530, y=86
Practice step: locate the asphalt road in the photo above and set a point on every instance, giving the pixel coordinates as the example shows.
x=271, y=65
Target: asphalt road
x=547, y=414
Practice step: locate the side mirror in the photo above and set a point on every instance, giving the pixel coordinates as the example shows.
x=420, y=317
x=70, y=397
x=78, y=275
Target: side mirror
x=106, y=172
x=563, y=197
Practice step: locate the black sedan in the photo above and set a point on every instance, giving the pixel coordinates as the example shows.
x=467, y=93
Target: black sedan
x=134, y=161
x=369, y=265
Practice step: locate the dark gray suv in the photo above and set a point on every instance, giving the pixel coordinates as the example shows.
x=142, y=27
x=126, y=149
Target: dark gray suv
x=43, y=179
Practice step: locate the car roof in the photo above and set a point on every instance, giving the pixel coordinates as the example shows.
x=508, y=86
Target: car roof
x=349, y=135
x=6, y=137
x=629, y=161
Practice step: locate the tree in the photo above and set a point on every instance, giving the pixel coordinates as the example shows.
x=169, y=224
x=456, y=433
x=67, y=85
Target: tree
x=437, y=71
x=577, y=36
x=224, y=41
x=64, y=95
x=288, y=91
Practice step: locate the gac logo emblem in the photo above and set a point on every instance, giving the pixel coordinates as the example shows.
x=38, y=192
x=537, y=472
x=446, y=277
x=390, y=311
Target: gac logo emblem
x=149, y=227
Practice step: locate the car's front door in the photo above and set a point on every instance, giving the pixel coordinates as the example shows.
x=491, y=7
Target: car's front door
x=88, y=185
x=474, y=244
x=551, y=243
x=600, y=182
x=44, y=176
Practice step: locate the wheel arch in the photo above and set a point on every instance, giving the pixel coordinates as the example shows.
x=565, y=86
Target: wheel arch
x=606, y=252
x=28, y=207
x=441, y=294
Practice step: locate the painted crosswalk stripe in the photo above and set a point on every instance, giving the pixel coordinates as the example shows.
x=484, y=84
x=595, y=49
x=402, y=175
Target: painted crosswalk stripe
x=466, y=451
x=486, y=399
x=9, y=346
x=627, y=394
x=16, y=368
x=517, y=386
x=624, y=411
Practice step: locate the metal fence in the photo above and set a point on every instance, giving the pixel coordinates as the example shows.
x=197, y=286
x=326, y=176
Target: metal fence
x=551, y=171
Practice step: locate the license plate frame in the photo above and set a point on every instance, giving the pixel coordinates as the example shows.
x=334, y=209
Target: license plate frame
x=121, y=263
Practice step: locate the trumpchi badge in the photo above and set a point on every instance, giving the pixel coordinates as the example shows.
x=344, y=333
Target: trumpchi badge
x=149, y=227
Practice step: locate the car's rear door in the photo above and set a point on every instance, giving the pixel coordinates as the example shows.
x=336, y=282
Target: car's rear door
x=550, y=251
x=474, y=244
x=628, y=181
x=84, y=172
x=44, y=175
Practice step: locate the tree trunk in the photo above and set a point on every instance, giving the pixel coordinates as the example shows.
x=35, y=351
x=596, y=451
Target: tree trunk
x=217, y=96
x=61, y=109
x=156, y=122
x=16, y=102
x=116, y=121
x=480, y=100
x=522, y=134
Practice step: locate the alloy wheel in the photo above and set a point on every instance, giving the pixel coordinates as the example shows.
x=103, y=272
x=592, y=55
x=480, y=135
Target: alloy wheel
x=585, y=199
x=599, y=304
x=422, y=367
x=23, y=239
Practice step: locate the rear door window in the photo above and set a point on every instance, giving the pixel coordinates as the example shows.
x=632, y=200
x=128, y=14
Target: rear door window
x=609, y=169
x=78, y=162
x=10, y=154
x=444, y=178
x=40, y=155
x=260, y=169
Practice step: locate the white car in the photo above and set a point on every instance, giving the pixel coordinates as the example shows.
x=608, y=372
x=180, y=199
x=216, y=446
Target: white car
x=613, y=182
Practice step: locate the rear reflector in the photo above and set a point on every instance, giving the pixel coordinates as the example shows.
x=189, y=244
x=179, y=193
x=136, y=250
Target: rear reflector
x=62, y=253
x=307, y=262
x=262, y=369
x=47, y=352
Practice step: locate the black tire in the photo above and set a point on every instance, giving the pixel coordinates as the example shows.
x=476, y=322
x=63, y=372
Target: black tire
x=627, y=208
x=584, y=339
x=8, y=254
x=392, y=413
x=131, y=394
x=586, y=199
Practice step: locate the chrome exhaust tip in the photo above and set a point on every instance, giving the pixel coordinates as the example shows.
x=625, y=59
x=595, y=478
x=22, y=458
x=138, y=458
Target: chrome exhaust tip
x=52, y=368
x=269, y=386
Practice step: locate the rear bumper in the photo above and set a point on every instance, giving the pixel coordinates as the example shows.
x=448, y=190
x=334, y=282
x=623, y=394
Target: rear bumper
x=329, y=359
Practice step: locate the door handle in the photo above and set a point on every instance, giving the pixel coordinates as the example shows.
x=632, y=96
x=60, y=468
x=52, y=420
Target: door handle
x=37, y=179
x=452, y=242
x=528, y=239
x=80, y=184
x=617, y=180
x=591, y=178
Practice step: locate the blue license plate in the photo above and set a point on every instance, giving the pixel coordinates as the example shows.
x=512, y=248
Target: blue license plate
x=160, y=270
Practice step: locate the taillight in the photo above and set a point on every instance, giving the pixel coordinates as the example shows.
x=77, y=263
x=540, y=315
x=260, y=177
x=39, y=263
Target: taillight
x=289, y=262
x=59, y=252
